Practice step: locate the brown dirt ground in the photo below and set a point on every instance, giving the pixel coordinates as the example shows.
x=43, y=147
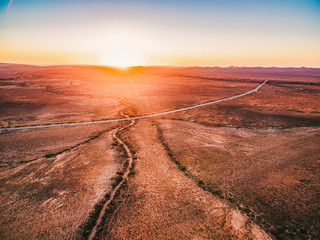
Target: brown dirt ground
x=274, y=172
x=273, y=106
x=49, y=198
x=28, y=145
x=241, y=157
x=162, y=203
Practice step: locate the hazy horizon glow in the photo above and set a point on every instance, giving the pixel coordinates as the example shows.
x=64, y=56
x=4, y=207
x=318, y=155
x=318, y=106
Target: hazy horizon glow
x=183, y=33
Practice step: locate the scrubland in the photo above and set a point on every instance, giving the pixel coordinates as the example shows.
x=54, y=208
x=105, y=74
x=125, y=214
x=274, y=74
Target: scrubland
x=247, y=168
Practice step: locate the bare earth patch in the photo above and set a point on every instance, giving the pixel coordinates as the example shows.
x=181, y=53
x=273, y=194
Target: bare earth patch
x=50, y=198
x=273, y=172
x=162, y=203
x=252, y=158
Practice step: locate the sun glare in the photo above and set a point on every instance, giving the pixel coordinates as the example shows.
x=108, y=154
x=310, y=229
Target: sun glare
x=122, y=59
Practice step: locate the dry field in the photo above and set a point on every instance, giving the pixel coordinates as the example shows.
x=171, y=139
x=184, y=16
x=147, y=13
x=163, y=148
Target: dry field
x=247, y=168
x=272, y=174
x=49, y=197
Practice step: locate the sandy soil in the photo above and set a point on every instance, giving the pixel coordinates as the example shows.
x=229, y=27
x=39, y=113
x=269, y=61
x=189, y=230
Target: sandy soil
x=55, y=94
x=261, y=152
x=162, y=203
x=24, y=146
x=51, y=197
x=273, y=172
x=274, y=106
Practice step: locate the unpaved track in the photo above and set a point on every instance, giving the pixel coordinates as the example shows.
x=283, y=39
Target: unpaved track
x=139, y=117
x=162, y=203
x=124, y=178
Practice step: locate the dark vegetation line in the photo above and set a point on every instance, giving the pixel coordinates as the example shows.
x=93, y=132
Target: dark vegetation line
x=247, y=80
x=49, y=155
x=278, y=82
x=104, y=230
x=93, y=226
x=1, y=79
x=214, y=190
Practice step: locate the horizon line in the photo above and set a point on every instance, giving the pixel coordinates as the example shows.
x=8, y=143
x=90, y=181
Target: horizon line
x=167, y=66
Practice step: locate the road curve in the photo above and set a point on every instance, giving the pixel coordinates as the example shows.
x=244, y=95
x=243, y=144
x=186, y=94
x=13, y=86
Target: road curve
x=124, y=178
x=138, y=117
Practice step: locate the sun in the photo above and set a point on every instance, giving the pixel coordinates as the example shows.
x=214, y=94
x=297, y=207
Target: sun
x=122, y=59
x=122, y=48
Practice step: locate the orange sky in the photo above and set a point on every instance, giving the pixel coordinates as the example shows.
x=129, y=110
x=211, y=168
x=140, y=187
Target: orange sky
x=203, y=33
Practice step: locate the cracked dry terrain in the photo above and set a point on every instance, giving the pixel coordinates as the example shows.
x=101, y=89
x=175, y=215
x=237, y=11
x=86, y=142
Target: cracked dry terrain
x=160, y=202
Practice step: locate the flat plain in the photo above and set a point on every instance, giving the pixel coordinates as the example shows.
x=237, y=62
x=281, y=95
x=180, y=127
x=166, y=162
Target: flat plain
x=246, y=168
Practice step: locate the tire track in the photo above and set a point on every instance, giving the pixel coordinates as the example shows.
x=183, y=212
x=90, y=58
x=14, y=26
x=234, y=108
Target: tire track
x=160, y=202
x=124, y=178
x=139, y=117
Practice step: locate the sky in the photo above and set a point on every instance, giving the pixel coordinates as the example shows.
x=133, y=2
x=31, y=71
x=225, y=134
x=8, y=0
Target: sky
x=167, y=32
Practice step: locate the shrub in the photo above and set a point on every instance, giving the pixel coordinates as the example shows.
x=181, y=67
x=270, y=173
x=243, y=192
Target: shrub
x=200, y=181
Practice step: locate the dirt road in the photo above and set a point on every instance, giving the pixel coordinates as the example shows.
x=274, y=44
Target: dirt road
x=124, y=178
x=138, y=117
x=162, y=203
